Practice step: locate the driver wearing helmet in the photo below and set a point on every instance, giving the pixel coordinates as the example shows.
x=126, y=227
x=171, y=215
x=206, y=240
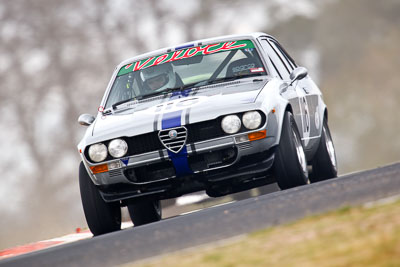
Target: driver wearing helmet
x=158, y=78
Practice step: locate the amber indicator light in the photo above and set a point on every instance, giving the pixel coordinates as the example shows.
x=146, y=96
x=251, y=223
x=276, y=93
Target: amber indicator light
x=99, y=168
x=257, y=135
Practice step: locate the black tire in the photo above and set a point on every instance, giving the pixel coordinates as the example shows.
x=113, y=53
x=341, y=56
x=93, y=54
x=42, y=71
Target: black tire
x=290, y=161
x=101, y=217
x=145, y=212
x=324, y=164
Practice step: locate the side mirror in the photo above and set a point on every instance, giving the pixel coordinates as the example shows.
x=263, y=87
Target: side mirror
x=86, y=119
x=298, y=74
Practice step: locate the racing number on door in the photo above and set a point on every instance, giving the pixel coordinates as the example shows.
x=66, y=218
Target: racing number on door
x=306, y=120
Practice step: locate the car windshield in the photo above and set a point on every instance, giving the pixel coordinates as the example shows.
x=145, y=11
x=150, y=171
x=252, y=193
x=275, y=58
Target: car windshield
x=185, y=68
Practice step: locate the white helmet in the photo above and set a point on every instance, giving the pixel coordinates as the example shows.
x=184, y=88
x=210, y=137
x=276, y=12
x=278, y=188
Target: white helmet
x=158, y=78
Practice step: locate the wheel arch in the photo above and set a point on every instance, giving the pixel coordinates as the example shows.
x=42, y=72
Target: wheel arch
x=322, y=111
x=324, y=114
x=280, y=118
x=289, y=108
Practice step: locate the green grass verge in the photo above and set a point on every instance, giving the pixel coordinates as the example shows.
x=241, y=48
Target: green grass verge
x=359, y=236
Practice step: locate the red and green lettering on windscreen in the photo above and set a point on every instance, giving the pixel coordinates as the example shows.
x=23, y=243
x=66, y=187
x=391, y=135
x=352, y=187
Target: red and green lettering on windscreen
x=185, y=53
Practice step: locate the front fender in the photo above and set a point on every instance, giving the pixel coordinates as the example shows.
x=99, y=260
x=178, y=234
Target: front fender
x=275, y=106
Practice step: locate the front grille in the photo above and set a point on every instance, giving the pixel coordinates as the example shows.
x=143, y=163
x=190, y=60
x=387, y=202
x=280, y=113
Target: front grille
x=205, y=130
x=195, y=132
x=173, y=139
x=143, y=143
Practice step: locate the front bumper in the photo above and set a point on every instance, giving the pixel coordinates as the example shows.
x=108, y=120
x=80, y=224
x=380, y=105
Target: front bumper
x=213, y=162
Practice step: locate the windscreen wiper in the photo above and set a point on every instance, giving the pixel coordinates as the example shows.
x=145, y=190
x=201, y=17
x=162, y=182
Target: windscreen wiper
x=168, y=90
x=122, y=102
x=231, y=78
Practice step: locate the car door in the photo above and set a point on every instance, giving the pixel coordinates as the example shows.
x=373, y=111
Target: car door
x=283, y=66
x=309, y=96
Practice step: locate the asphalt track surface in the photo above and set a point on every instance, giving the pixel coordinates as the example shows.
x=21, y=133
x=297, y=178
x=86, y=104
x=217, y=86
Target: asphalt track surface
x=217, y=223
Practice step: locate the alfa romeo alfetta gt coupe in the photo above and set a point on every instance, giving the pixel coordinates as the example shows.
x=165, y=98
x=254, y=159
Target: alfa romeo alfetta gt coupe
x=222, y=115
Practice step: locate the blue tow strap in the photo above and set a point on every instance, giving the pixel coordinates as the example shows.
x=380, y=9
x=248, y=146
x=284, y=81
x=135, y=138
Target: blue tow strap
x=179, y=160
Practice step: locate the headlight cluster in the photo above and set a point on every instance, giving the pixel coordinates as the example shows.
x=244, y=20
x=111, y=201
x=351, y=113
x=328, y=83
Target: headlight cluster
x=116, y=148
x=251, y=120
x=231, y=124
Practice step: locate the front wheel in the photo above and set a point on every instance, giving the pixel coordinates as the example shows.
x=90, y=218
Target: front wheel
x=290, y=160
x=324, y=164
x=145, y=212
x=101, y=217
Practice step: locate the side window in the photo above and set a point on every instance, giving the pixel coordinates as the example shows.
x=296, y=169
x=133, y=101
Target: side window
x=287, y=59
x=281, y=58
x=276, y=60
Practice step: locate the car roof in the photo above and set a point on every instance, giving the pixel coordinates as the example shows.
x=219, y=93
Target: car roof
x=213, y=40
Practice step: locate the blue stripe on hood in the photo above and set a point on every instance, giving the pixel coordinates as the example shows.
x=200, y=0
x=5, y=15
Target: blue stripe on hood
x=171, y=120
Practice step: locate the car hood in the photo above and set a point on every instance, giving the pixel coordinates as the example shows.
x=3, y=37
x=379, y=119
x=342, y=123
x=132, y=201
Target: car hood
x=190, y=106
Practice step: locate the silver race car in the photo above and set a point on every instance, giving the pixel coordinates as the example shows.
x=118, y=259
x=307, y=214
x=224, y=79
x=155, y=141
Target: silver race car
x=222, y=115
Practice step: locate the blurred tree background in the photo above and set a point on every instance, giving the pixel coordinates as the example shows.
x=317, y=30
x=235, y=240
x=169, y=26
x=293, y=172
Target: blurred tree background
x=56, y=58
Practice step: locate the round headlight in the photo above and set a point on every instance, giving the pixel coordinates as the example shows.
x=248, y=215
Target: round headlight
x=98, y=152
x=117, y=148
x=252, y=120
x=231, y=124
